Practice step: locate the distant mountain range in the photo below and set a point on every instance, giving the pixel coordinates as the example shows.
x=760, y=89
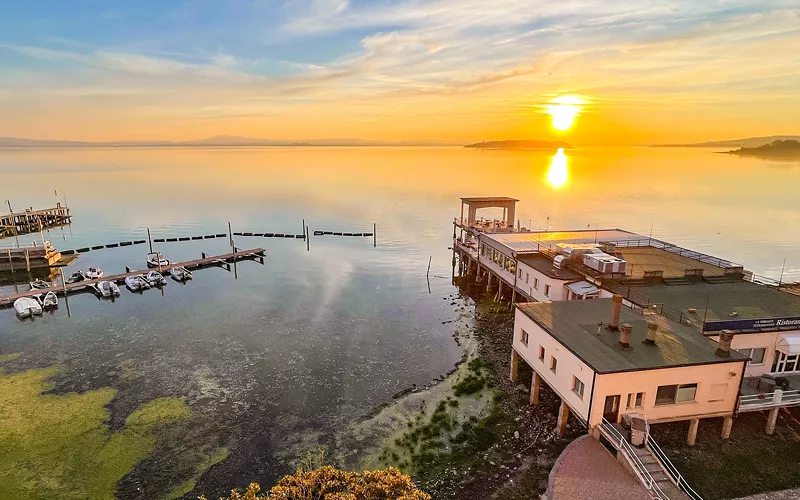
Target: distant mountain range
x=520, y=144
x=217, y=141
x=749, y=142
x=775, y=149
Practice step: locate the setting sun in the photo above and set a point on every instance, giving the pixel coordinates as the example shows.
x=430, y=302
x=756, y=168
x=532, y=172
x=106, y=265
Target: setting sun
x=557, y=174
x=563, y=110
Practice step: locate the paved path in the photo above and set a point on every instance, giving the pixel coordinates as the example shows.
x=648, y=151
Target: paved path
x=775, y=495
x=587, y=471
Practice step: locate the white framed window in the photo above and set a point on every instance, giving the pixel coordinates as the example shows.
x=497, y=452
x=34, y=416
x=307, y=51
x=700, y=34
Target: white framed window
x=678, y=393
x=785, y=363
x=553, y=363
x=756, y=354
x=523, y=337
x=577, y=386
x=536, y=283
x=635, y=400
x=546, y=292
x=541, y=354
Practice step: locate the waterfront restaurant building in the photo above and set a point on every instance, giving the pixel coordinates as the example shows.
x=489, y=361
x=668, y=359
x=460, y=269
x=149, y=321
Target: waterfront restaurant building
x=605, y=360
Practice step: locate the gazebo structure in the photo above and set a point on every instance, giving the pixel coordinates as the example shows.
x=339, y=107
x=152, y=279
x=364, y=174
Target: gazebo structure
x=474, y=204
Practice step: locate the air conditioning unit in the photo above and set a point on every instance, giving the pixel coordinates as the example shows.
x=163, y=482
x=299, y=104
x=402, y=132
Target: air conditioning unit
x=604, y=263
x=559, y=262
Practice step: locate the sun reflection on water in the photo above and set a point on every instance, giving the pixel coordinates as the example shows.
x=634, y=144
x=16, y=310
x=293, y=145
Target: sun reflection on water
x=558, y=174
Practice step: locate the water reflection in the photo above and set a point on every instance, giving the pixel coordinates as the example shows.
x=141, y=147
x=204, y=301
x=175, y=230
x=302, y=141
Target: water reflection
x=558, y=174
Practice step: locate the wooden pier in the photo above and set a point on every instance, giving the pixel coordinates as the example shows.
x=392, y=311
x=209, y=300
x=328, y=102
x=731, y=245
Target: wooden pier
x=205, y=261
x=32, y=221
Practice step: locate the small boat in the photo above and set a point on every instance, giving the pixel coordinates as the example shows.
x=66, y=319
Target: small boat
x=76, y=277
x=155, y=260
x=106, y=289
x=155, y=278
x=39, y=285
x=49, y=300
x=94, y=273
x=27, y=306
x=136, y=283
x=180, y=273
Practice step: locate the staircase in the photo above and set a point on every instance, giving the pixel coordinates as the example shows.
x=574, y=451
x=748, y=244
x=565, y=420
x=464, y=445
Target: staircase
x=657, y=472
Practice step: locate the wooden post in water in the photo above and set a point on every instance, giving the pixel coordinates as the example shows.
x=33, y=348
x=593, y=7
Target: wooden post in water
x=149, y=241
x=27, y=260
x=429, y=266
x=374, y=235
x=308, y=237
x=230, y=234
x=10, y=261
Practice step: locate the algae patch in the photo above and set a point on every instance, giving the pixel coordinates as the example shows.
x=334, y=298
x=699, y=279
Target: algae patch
x=59, y=446
x=8, y=357
x=214, y=458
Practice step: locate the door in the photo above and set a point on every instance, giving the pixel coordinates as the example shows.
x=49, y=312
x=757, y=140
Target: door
x=611, y=409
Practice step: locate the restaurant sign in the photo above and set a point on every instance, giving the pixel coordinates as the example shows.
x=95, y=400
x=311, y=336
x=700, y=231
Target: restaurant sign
x=753, y=324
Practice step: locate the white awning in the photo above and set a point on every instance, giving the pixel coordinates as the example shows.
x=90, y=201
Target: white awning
x=582, y=288
x=789, y=343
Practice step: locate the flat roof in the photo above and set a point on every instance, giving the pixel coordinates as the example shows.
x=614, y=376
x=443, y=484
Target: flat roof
x=574, y=324
x=533, y=241
x=645, y=258
x=487, y=199
x=748, y=300
x=544, y=265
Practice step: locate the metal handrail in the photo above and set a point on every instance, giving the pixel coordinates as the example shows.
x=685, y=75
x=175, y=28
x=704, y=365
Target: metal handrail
x=672, y=471
x=767, y=400
x=613, y=435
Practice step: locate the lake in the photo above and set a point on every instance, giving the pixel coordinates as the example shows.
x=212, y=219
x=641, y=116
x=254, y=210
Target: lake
x=272, y=359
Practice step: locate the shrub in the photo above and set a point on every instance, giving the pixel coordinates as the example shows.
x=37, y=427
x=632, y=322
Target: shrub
x=327, y=483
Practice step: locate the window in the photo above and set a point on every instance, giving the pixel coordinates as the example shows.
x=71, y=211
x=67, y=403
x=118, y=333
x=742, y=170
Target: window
x=756, y=354
x=577, y=386
x=546, y=292
x=785, y=363
x=527, y=276
x=671, y=394
x=520, y=273
x=553, y=363
x=536, y=283
x=541, y=354
x=635, y=400
x=523, y=337
x=717, y=392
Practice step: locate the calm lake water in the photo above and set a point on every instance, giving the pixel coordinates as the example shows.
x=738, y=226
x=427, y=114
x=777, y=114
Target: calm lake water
x=315, y=339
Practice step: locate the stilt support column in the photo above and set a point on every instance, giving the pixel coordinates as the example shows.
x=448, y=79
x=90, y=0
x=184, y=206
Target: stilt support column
x=727, y=425
x=772, y=419
x=691, y=438
x=536, y=384
x=514, y=365
x=563, y=416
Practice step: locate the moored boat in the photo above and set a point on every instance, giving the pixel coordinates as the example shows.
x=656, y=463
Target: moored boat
x=94, y=273
x=106, y=289
x=155, y=278
x=76, y=277
x=180, y=273
x=27, y=306
x=50, y=300
x=39, y=285
x=156, y=260
x=136, y=283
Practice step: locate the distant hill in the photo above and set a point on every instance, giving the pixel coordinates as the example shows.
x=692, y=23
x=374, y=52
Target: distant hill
x=217, y=141
x=520, y=144
x=779, y=148
x=749, y=142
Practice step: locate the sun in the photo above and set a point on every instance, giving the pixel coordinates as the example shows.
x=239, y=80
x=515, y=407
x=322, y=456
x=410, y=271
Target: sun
x=558, y=174
x=563, y=110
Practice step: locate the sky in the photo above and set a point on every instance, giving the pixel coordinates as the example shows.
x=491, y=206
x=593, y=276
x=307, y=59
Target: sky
x=437, y=70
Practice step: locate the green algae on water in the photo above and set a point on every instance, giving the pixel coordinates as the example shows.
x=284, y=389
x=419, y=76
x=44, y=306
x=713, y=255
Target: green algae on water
x=58, y=446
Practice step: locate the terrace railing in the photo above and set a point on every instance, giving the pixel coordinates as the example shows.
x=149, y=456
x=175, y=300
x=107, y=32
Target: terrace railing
x=776, y=399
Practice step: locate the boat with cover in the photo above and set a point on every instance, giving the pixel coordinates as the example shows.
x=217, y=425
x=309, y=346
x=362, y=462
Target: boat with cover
x=155, y=260
x=50, y=300
x=106, y=289
x=27, y=306
x=94, y=273
x=76, y=277
x=155, y=278
x=136, y=283
x=180, y=273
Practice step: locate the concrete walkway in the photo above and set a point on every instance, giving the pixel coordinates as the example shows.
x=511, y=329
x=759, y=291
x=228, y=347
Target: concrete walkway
x=587, y=471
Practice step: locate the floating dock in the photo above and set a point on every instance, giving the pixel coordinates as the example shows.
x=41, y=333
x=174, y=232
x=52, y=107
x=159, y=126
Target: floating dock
x=205, y=261
x=33, y=221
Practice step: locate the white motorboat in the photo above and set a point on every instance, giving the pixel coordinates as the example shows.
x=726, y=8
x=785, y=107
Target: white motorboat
x=106, y=289
x=180, y=273
x=94, y=273
x=76, y=277
x=39, y=285
x=50, y=301
x=155, y=278
x=27, y=306
x=156, y=260
x=136, y=283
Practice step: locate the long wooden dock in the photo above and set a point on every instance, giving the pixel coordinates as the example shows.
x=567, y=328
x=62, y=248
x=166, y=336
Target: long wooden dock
x=205, y=261
x=31, y=221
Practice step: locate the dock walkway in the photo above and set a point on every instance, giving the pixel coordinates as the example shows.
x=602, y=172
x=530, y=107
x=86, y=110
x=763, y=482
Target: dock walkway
x=205, y=261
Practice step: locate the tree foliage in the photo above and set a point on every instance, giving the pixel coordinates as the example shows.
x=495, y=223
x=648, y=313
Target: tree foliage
x=328, y=483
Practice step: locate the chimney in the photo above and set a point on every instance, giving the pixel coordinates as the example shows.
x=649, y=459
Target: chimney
x=724, y=348
x=625, y=336
x=652, y=328
x=616, y=308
